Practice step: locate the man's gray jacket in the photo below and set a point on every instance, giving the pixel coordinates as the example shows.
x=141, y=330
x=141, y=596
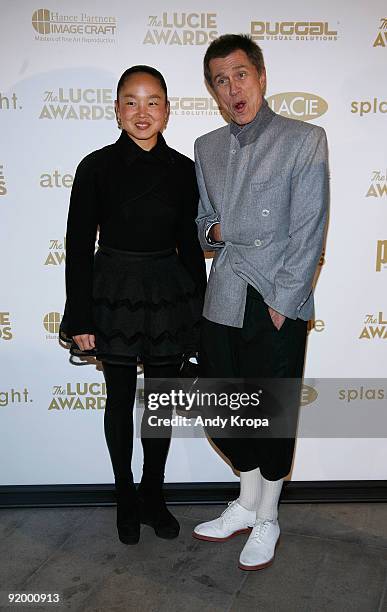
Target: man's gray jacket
x=267, y=185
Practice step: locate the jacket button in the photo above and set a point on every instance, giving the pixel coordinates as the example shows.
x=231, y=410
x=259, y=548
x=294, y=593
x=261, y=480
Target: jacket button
x=257, y=242
x=265, y=212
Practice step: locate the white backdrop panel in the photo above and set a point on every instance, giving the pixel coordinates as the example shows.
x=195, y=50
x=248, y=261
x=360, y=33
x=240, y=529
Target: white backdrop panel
x=56, y=105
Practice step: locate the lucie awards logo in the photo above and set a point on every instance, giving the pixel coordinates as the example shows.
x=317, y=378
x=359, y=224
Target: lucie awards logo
x=381, y=37
x=298, y=105
x=194, y=106
x=374, y=327
x=56, y=253
x=78, y=396
x=5, y=326
x=78, y=104
x=53, y=26
x=378, y=184
x=181, y=29
x=3, y=184
x=292, y=30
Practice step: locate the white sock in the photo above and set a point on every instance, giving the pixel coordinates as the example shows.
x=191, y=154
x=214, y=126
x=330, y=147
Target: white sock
x=250, y=489
x=267, y=507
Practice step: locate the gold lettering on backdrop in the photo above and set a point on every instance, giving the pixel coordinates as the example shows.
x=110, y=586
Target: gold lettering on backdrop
x=78, y=104
x=378, y=186
x=292, y=30
x=374, y=327
x=8, y=102
x=14, y=397
x=298, y=105
x=56, y=179
x=381, y=254
x=3, y=185
x=50, y=22
x=5, y=326
x=181, y=29
x=78, y=396
x=381, y=38
x=364, y=107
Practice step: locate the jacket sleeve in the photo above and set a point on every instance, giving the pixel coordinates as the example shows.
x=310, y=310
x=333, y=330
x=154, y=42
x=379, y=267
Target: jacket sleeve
x=207, y=216
x=189, y=250
x=80, y=246
x=309, y=200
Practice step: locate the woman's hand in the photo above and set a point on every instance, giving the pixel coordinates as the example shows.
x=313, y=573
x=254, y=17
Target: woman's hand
x=85, y=342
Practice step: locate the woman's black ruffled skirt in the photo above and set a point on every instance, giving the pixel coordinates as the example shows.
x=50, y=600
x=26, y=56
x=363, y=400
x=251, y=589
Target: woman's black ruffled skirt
x=146, y=307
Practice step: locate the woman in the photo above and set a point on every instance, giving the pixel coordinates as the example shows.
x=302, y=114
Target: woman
x=140, y=296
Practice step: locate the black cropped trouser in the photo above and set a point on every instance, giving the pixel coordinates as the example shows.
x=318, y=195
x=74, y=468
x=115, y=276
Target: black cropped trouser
x=257, y=350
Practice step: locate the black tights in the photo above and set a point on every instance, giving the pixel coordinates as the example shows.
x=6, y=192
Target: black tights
x=118, y=422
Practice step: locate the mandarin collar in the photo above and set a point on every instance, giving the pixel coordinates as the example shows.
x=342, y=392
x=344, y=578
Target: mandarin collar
x=250, y=132
x=132, y=151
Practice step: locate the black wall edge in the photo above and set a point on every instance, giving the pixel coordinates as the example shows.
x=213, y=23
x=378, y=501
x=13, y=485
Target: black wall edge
x=35, y=496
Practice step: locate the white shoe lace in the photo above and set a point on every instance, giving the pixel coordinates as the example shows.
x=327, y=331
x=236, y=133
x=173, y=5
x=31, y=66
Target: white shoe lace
x=260, y=528
x=228, y=513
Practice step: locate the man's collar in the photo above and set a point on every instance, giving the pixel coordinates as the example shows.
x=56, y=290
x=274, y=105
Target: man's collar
x=247, y=134
x=131, y=151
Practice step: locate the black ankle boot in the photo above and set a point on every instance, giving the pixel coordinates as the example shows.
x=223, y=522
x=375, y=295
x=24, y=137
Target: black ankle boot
x=154, y=512
x=128, y=516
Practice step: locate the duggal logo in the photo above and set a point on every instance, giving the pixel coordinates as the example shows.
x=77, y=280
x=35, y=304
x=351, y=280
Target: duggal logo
x=181, y=29
x=5, y=326
x=78, y=396
x=194, y=106
x=56, y=253
x=3, y=186
x=79, y=104
x=375, y=326
x=378, y=186
x=292, y=30
x=381, y=255
x=52, y=26
x=381, y=38
x=298, y=105
x=51, y=323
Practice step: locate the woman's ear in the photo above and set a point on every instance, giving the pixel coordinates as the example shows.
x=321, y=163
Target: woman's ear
x=118, y=116
x=167, y=113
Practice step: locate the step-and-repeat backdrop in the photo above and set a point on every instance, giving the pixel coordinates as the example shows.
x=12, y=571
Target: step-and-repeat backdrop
x=326, y=63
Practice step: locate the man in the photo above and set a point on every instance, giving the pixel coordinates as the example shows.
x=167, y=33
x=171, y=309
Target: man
x=263, y=182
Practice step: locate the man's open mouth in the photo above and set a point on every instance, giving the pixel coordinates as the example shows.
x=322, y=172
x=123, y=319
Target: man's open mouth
x=240, y=106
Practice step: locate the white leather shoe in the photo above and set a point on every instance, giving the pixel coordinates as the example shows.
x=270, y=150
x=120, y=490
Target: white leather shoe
x=259, y=549
x=233, y=521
